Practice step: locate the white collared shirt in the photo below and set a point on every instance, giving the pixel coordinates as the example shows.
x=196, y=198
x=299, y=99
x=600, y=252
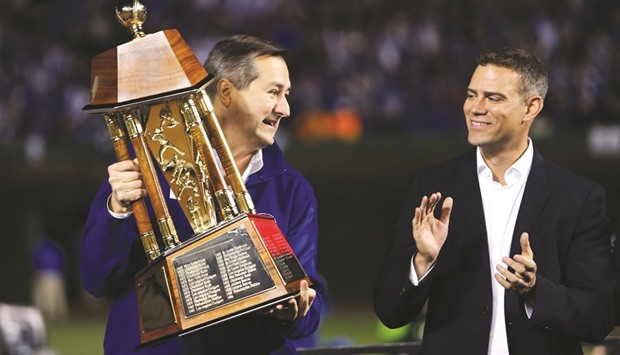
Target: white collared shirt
x=501, y=207
x=256, y=163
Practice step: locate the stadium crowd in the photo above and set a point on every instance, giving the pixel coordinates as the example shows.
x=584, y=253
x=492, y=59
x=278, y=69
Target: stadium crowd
x=400, y=65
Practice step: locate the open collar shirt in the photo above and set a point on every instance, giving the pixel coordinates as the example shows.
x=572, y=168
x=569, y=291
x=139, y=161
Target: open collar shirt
x=501, y=207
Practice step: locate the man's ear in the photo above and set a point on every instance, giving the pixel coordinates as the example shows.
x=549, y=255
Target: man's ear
x=534, y=106
x=224, y=91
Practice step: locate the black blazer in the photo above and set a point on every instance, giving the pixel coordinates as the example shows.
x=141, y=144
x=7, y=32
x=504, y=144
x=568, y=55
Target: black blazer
x=565, y=216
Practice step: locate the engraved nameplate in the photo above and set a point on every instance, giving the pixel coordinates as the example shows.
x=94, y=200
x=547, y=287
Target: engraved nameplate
x=281, y=253
x=225, y=269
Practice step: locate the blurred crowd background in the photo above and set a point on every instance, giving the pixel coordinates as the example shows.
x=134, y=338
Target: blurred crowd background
x=371, y=79
x=396, y=66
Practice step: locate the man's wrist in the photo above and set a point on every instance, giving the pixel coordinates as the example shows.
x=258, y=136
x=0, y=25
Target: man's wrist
x=530, y=297
x=118, y=215
x=422, y=264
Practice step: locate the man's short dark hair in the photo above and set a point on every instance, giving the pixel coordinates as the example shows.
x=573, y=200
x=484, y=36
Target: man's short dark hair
x=233, y=59
x=531, y=68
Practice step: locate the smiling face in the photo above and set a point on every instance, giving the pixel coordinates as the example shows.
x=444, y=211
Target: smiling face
x=498, y=117
x=254, y=113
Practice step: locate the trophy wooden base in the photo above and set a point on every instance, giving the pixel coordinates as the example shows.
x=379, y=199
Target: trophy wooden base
x=243, y=265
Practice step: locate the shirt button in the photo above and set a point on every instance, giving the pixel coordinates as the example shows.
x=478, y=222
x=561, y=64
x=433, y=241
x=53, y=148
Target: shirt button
x=486, y=310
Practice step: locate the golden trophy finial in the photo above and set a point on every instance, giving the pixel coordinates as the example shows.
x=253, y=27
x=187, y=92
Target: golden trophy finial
x=131, y=14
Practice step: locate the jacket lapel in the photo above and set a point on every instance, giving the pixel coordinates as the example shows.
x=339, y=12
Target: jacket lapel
x=469, y=191
x=534, y=198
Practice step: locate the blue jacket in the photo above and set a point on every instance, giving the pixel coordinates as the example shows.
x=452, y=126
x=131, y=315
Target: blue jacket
x=111, y=255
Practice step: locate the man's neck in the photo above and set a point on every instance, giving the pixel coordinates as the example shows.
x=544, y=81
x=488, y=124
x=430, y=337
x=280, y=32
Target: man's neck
x=242, y=159
x=241, y=152
x=500, y=161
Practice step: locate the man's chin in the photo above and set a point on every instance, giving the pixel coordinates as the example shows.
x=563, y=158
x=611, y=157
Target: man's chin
x=268, y=139
x=476, y=140
x=472, y=141
x=265, y=142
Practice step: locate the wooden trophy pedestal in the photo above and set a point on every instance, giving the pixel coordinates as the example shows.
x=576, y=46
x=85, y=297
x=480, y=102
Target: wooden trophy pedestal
x=239, y=267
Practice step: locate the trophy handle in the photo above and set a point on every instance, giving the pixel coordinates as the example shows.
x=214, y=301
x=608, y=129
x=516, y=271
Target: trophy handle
x=147, y=235
x=149, y=174
x=195, y=128
x=244, y=200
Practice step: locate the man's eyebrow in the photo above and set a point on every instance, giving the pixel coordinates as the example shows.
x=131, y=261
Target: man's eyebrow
x=279, y=85
x=493, y=93
x=487, y=93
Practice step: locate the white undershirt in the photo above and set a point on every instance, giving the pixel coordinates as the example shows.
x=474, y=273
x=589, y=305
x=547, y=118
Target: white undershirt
x=255, y=164
x=501, y=207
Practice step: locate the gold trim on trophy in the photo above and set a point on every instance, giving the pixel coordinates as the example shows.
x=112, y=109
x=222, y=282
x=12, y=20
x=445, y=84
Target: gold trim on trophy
x=131, y=14
x=221, y=146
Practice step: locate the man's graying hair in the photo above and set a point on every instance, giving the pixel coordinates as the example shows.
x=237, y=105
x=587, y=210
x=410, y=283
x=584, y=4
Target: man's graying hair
x=532, y=70
x=233, y=59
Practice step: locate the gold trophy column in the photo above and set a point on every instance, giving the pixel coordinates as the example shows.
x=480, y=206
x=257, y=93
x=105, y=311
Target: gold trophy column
x=244, y=200
x=193, y=124
x=149, y=175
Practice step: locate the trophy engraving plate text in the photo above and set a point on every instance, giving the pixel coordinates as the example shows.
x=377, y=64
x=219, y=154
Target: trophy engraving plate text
x=281, y=253
x=220, y=271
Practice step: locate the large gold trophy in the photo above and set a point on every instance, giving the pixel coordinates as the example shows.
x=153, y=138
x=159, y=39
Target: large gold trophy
x=151, y=92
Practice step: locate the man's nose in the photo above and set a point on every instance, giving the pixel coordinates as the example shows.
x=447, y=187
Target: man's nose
x=478, y=106
x=282, y=107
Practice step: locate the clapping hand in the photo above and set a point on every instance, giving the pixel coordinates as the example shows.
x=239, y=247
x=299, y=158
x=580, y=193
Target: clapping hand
x=523, y=279
x=429, y=232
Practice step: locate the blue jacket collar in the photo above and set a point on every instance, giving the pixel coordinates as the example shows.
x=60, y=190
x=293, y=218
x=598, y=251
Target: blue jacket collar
x=273, y=165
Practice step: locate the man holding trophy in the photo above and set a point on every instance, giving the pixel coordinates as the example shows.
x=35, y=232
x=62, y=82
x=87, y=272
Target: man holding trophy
x=248, y=92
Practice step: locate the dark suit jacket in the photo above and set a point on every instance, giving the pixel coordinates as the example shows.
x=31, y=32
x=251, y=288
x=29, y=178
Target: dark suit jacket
x=565, y=216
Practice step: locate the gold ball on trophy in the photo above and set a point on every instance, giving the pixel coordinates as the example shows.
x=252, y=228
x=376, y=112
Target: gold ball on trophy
x=131, y=14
